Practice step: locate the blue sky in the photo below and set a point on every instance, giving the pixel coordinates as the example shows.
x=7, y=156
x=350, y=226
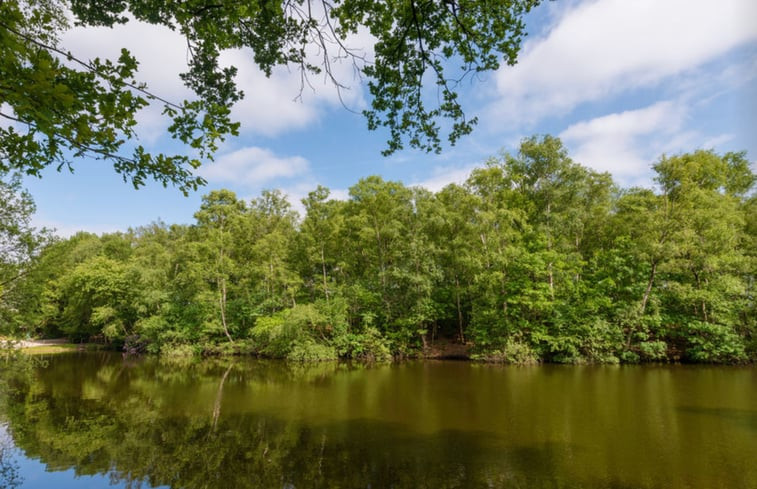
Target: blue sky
x=621, y=82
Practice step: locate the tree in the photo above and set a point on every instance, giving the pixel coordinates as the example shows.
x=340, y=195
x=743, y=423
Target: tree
x=708, y=287
x=219, y=215
x=18, y=239
x=377, y=226
x=318, y=236
x=452, y=229
x=62, y=107
x=534, y=258
x=99, y=297
x=267, y=264
x=19, y=244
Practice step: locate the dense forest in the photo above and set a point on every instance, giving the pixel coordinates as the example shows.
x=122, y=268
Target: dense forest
x=535, y=258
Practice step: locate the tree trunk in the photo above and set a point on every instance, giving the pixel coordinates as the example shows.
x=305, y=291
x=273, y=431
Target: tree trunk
x=459, y=311
x=549, y=248
x=222, y=304
x=649, y=287
x=644, y=302
x=323, y=269
x=704, y=304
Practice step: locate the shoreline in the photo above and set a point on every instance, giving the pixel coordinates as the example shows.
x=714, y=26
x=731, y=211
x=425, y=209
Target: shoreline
x=44, y=347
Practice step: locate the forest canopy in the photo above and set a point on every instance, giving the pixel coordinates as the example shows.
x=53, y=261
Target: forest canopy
x=57, y=107
x=534, y=258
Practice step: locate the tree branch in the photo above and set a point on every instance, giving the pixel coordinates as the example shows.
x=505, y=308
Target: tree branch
x=86, y=65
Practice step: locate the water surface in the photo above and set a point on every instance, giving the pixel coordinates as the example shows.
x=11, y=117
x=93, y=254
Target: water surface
x=94, y=420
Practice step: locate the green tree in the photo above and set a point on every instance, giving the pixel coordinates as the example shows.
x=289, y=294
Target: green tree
x=452, y=229
x=319, y=240
x=706, y=289
x=534, y=258
x=271, y=276
x=64, y=107
x=219, y=217
x=20, y=243
x=376, y=227
x=98, y=297
x=498, y=257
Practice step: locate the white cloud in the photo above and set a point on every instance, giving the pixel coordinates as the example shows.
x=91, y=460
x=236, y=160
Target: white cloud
x=626, y=144
x=718, y=140
x=269, y=107
x=299, y=190
x=290, y=99
x=66, y=230
x=604, y=47
x=253, y=166
x=161, y=53
x=443, y=176
x=339, y=194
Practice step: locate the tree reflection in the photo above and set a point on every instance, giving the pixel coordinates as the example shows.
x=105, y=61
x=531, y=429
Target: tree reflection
x=247, y=424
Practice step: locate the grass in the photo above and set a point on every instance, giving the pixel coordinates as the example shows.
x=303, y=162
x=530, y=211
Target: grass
x=61, y=348
x=47, y=349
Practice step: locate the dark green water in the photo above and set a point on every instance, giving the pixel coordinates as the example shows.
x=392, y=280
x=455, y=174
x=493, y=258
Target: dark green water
x=92, y=420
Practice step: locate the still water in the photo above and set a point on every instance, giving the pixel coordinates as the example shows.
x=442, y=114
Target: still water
x=95, y=420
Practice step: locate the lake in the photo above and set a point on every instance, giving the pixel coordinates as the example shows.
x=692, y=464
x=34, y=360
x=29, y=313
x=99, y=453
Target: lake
x=97, y=420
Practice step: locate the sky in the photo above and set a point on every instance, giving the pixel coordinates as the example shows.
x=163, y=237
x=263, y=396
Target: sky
x=620, y=82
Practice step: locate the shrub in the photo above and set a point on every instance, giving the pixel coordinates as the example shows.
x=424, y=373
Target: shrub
x=310, y=351
x=368, y=345
x=273, y=336
x=715, y=343
x=514, y=351
x=239, y=347
x=629, y=357
x=653, y=350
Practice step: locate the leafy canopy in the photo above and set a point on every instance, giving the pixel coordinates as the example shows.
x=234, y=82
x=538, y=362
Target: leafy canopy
x=59, y=107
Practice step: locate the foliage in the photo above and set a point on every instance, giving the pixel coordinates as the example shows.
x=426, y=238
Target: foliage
x=20, y=243
x=534, y=259
x=178, y=351
x=61, y=106
x=712, y=343
x=310, y=351
x=653, y=350
x=368, y=345
x=514, y=351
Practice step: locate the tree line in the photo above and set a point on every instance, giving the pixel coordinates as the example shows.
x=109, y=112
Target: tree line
x=534, y=258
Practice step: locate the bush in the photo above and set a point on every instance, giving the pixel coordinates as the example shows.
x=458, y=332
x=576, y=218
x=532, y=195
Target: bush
x=714, y=343
x=300, y=328
x=273, y=336
x=310, y=351
x=368, y=345
x=629, y=357
x=515, y=351
x=239, y=347
x=653, y=350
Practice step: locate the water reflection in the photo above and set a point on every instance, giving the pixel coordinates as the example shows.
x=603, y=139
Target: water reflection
x=245, y=424
x=9, y=470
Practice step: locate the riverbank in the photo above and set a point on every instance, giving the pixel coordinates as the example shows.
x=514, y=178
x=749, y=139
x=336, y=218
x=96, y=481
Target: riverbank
x=47, y=346
x=444, y=349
